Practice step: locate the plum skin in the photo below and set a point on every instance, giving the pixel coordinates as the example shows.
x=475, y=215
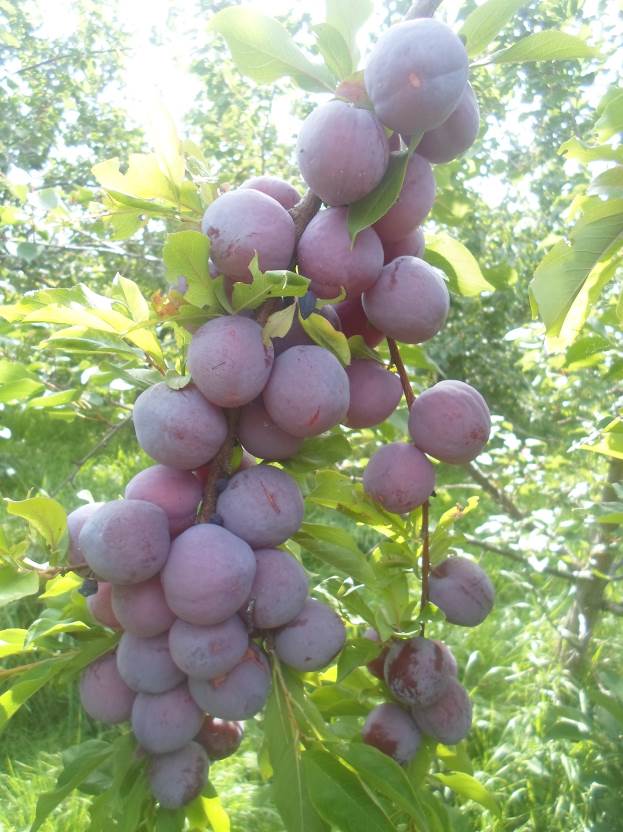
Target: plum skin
x=418, y=670
x=377, y=666
x=312, y=639
x=103, y=693
x=220, y=737
x=208, y=652
x=145, y=664
x=262, y=437
x=413, y=205
x=177, y=493
x=179, y=776
x=100, y=606
x=279, y=589
x=164, y=722
x=75, y=521
x=389, y=728
x=241, y=693
x=449, y=718
x=399, y=477
x=374, y=393
x=285, y=194
x=456, y=135
x=141, y=608
x=462, y=591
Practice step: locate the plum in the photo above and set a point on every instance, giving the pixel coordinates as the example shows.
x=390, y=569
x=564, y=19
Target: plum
x=208, y=652
x=354, y=322
x=399, y=477
x=327, y=257
x=374, y=393
x=145, y=664
x=262, y=505
x=241, y=693
x=312, y=639
x=450, y=421
x=126, y=541
x=242, y=223
x=418, y=670
x=208, y=575
x=178, y=777
x=164, y=722
x=279, y=590
x=103, y=693
x=285, y=194
x=100, y=606
x=307, y=392
x=377, y=666
x=456, y=135
x=389, y=728
x=449, y=718
x=142, y=609
x=75, y=521
x=220, y=737
x=342, y=152
x=409, y=301
x=178, y=493
x=415, y=75
x=412, y=245
x=228, y=360
x=179, y=428
x=262, y=437
x=413, y=205
x=462, y=591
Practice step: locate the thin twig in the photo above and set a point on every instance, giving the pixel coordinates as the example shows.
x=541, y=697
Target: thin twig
x=423, y=8
x=571, y=576
x=397, y=361
x=498, y=495
x=219, y=467
x=303, y=213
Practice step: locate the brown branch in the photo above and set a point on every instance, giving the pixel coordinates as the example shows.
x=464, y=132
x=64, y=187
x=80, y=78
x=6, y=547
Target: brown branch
x=397, y=361
x=425, y=562
x=423, y=8
x=219, y=467
x=571, y=577
x=303, y=212
x=498, y=495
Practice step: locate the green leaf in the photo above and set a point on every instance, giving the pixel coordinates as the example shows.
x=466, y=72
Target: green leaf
x=486, y=21
x=549, y=45
x=17, y=383
x=186, y=254
x=338, y=548
x=169, y=820
x=12, y=641
x=44, y=514
x=377, y=203
x=575, y=149
x=265, y=285
x=610, y=121
x=609, y=183
x=359, y=349
x=339, y=796
x=611, y=441
x=470, y=788
x=334, y=50
x=136, y=303
x=355, y=653
x=264, y=51
x=53, y=399
x=348, y=17
x=322, y=332
x=279, y=323
x=457, y=261
x=15, y=585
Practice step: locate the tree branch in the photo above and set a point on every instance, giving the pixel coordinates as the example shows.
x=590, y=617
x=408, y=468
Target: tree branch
x=498, y=495
x=511, y=554
x=218, y=467
x=397, y=361
x=423, y=8
x=303, y=212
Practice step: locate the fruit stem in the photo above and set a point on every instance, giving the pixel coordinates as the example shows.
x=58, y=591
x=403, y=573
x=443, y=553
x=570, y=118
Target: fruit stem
x=423, y=8
x=425, y=563
x=303, y=212
x=397, y=361
x=218, y=467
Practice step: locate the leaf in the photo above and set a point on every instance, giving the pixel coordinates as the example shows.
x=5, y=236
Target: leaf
x=609, y=183
x=377, y=203
x=186, y=254
x=265, y=285
x=355, y=653
x=549, y=45
x=136, y=303
x=279, y=323
x=17, y=383
x=339, y=796
x=348, y=17
x=334, y=50
x=610, y=121
x=611, y=441
x=470, y=788
x=44, y=514
x=144, y=179
x=169, y=820
x=12, y=641
x=486, y=21
x=15, y=585
x=338, y=548
x=53, y=399
x=323, y=333
x=575, y=149
x=264, y=51
x=359, y=349
x=457, y=261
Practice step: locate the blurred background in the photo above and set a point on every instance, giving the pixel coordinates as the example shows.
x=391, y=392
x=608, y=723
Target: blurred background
x=79, y=84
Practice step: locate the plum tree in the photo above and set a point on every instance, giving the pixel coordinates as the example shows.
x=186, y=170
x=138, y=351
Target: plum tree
x=208, y=652
x=462, y=591
x=342, y=152
x=126, y=541
x=262, y=505
x=297, y=337
x=208, y=575
x=449, y=718
x=164, y=722
x=389, y=728
x=312, y=639
x=146, y=665
x=418, y=670
x=457, y=134
x=399, y=477
x=409, y=301
x=179, y=428
x=228, y=360
x=103, y=693
x=241, y=693
x=354, y=322
x=413, y=205
x=374, y=393
x=75, y=521
x=177, y=493
x=415, y=75
x=377, y=666
x=450, y=421
x=178, y=777
x=307, y=392
x=142, y=609
x=327, y=257
x=100, y=606
x=279, y=589
x=245, y=221
x=262, y=437
x=285, y=194
x=412, y=245
x=220, y=737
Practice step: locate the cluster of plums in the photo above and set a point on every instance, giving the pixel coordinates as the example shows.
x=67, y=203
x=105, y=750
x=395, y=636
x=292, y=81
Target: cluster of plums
x=198, y=602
